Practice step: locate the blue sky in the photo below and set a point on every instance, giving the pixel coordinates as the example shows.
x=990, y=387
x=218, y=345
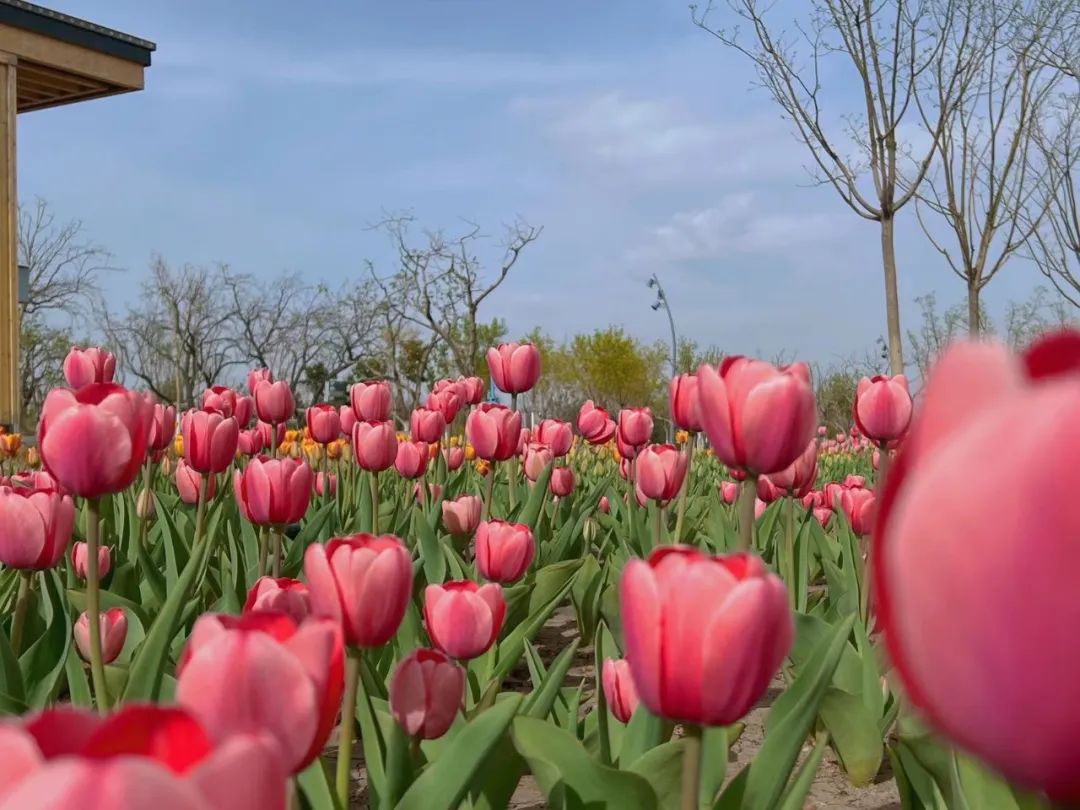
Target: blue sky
x=270, y=136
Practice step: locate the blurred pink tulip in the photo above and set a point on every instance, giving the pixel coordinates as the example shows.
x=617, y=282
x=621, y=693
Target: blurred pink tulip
x=514, y=367
x=163, y=428
x=187, y=483
x=347, y=418
x=271, y=438
x=447, y=402
x=455, y=457
x=411, y=460
x=595, y=424
x=323, y=422
x=251, y=442
x=635, y=426
x=374, y=445
x=556, y=434
x=562, y=482
x=426, y=693
x=274, y=401
x=474, y=389
x=493, y=431
x=604, y=505
x=504, y=551
x=683, y=397
x=462, y=516
x=219, y=398
x=273, y=492
x=463, y=619
x=113, y=624
x=427, y=425
x=210, y=441
x=85, y=366
x=798, y=478
x=371, y=401
x=661, y=470
x=619, y=690
x=78, y=560
x=256, y=376
x=320, y=483
x=281, y=594
x=35, y=527
x=538, y=457
x=729, y=491
x=244, y=412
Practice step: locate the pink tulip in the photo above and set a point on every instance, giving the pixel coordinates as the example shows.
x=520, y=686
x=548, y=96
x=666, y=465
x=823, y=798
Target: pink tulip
x=251, y=442
x=93, y=441
x=34, y=479
x=814, y=499
x=538, y=457
x=256, y=376
x=371, y=401
x=434, y=492
x=454, y=456
x=757, y=417
x=854, y=481
x=474, y=389
x=85, y=366
x=504, y=551
x=556, y=434
x=493, y=431
x=113, y=624
x=244, y=411
x=427, y=425
x=514, y=367
x=619, y=690
x=273, y=492
x=798, y=478
x=447, y=402
x=604, y=505
x=320, y=483
x=524, y=439
x=767, y=491
x=375, y=445
x=348, y=418
x=140, y=756
x=461, y=517
x=426, y=693
x=729, y=491
x=188, y=481
x=704, y=635
x=822, y=515
x=78, y=560
x=974, y=576
x=163, y=427
x=281, y=594
x=363, y=582
x=274, y=401
x=463, y=619
x=290, y=677
x=35, y=527
x=759, y=508
x=323, y=422
x=562, y=482
x=411, y=460
x=595, y=424
x=661, y=470
x=822, y=431
x=635, y=426
x=271, y=438
x=683, y=397
x=858, y=508
x=219, y=398
x=210, y=441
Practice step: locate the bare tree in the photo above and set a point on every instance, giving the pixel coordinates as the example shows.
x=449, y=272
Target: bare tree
x=1055, y=248
x=986, y=188
x=441, y=283
x=887, y=46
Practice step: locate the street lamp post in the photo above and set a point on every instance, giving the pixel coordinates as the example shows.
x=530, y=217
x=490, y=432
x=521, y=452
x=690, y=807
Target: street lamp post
x=662, y=301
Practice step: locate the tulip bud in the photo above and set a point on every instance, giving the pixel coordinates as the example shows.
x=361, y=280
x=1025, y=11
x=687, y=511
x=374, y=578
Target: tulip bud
x=145, y=507
x=562, y=482
x=113, y=623
x=504, y=551
x=426, y=693
x=463, y=619
x=514, y=367
x=78, y=560
x=619, y=690
x=462, y=516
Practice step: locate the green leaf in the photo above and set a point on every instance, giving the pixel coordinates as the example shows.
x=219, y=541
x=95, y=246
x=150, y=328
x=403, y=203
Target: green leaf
x=444, y=783
x=662, y=767
x=316, y=787
x=855, y=734
x=570, y=778
x=78, y=685
x=308, y=534
x=644, y=731
x=532, y=508
x=795, y=797
x=715, y=743
x=430, y=549
x=553, y=589
x=43, y=663
x=586, y=597
x=108, y=600
x=12, y=690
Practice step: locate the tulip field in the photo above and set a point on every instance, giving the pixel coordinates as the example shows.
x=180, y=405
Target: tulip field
x=259, y=603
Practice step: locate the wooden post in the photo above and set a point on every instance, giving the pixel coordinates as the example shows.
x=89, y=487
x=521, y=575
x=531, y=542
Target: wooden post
x=10, y=396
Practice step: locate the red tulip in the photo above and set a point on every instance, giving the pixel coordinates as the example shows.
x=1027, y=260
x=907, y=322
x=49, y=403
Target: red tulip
x=251, y=442
x=375, y=445
x=83, y=367
x=635, y=426
x=729, y=491
x=140, y=756
x=462, y=516
x=683, y=396
x=454, y=456
x=187, y=483
x=493, y=431
x=661, y=470
x=767, y=491
x=798, y=478
x=219, y=398
x=35, y=527
x=556, y=434
x=363, y=582
x=281, y=594
x=273, y=492
x=463, y=619
x=704, y=635
x=562, y=482
x=256, y=376
x=427, y=425
x=78, y=560
x=244, y=411
x=210, y=441
x=447, y=402
x=595, y=424
x=348, y=419
x=163, y=427
x=113, y=624
x=514, y=367
x=504, y=551
x=371, y=401
x=274, y=401
x=93, y=441
x=411, y=460
x=474, y=389
x=619, y=690
x=757, y=417
x=290, y=677
x=271, y=438
x=324, y=422
x=974, y=578
x=426, y=693
x=320, y=483
x=538, y=457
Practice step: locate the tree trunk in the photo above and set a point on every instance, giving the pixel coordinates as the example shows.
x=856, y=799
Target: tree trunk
x=974, y=322
x=892, y=296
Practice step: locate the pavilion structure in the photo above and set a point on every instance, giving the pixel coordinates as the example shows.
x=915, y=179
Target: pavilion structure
x=46, y=59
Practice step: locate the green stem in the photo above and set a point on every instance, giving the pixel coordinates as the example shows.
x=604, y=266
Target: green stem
x=375, y=503
x=789, y=549
x=685, y=492
x=21, y=602
x=276, y=533
x=691, y=767
x=747, y=496
x=884, y=462
x=200, y=510
x=144, y=523
x=658, y=533
x=273, y=440
x=490, y=490
x=512, y=467
x=325, y=476
x=264, y=550
x=348, y=722
x=93, y=607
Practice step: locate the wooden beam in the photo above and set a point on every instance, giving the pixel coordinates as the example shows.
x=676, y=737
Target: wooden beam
x=70, y=58
x=10, y=395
